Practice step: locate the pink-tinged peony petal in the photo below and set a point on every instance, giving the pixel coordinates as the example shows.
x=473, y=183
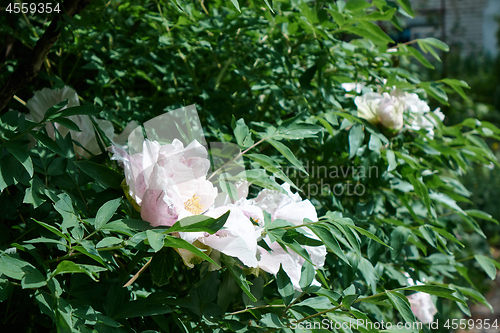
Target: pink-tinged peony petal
x=158, y=208
x=163, y=181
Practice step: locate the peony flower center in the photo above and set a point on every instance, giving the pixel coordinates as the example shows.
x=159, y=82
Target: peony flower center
x=193, y=205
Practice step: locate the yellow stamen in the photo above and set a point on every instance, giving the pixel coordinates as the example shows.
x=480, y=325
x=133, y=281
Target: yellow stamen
x=193, y=205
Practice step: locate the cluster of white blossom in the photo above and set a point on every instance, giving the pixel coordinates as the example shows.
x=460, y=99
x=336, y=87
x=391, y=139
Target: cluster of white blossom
x=169, y=182
x=391, y=109
x=46, y=98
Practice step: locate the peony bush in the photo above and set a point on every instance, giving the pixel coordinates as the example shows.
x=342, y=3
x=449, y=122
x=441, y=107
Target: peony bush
x=278, y=169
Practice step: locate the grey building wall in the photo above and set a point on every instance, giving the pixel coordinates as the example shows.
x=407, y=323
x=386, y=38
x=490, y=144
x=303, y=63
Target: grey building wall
x=469, y=24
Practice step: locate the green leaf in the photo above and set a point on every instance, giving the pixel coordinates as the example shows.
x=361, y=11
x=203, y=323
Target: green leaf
x=67, y=266
x=287, y=153
x=457, y=85
x=391, y=160
x=437, y=43
x=68, y=123
x=329, y=240
x=162, y=267
x=443, y=198
x=175, y=242
x=199, y=223
x=64, y=206
x=402, y=305
x=348, y=300
x=53, y=229
x=106, y=212
x=357, y=5
x=416, y=53
x=406, y=5
x=481, y=215
x=238, y=275
x=22, y=156
x=356, y=137
x=155, y=239
x=435, y=290
x=369, y=235
x=49, y=143
x=127, y=226
x=236, y=4
x=242, y=134
x=21, y=270
x=33, y=278
x=285, y=286
x=307, y=275
x=297, y=131
x=80, y=110
x=13, y=267
x=471, y=293
x=487, y=264
x=143, y=308
x=435, y=92
x=108, y=241
x=49, y=114
x=101, y=173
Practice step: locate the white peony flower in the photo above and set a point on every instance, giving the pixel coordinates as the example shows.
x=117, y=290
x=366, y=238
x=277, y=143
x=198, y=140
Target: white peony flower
x=46, y=98
x=291, y=208
x=419, y=116
x=353, y=87
x=421, y=303
x=422, y=307
x=415, y=104
x=237, y=238
x=368, y=106
x=386, y=109
x=168, y=180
